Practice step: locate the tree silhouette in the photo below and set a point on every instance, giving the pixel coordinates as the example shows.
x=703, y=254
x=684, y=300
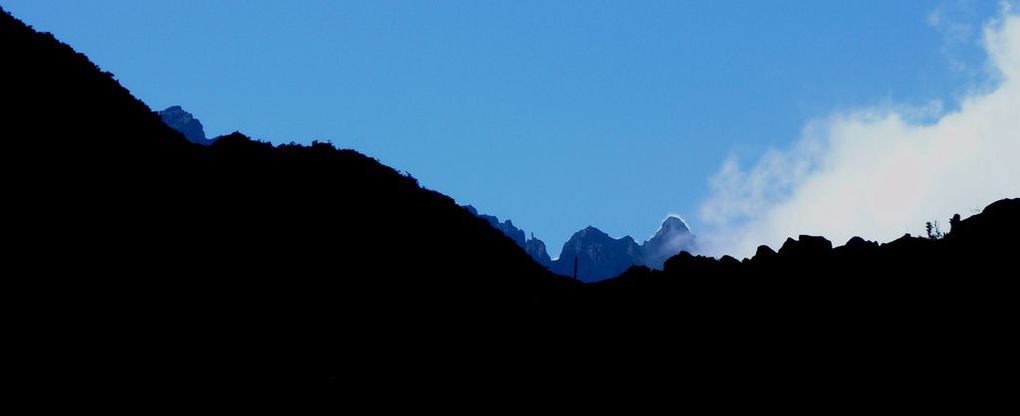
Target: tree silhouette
x=954, y=222
x=934, y=233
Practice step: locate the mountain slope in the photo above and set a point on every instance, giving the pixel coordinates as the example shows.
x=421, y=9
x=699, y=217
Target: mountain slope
x=672, y=238
x=145, y=234
x=54, y=96
x=600, y=256
x=102, y=129
x=533, y=246
x=168, y=266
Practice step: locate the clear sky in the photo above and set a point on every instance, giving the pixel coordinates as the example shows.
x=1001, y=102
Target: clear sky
x=557, y=114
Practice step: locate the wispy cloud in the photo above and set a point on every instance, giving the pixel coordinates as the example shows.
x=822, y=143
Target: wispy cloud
x=879, y=172
x=959, y=24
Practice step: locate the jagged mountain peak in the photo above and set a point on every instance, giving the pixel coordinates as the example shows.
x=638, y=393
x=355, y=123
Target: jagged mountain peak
x=674, y=223
x=674, y=236
x=534, y=247
x=600, y=255
x=590, y=231
x=184, y=122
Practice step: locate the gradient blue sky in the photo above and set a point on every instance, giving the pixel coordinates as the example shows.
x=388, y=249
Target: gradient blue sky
x=557, y=114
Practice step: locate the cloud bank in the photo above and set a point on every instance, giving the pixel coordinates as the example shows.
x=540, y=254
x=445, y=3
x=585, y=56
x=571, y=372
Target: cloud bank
x=878, y=173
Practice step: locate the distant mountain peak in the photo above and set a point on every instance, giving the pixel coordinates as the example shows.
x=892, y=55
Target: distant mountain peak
x=534, y=247
x=185, y=123
x=674, y=236
x=674, y=222
x=671, y=226
x=598, y=254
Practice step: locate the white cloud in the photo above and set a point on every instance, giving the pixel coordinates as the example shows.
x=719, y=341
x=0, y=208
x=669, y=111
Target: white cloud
x=878, y=173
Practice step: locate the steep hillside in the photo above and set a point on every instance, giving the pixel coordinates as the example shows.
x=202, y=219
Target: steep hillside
x=78, y=125
x=144, y=235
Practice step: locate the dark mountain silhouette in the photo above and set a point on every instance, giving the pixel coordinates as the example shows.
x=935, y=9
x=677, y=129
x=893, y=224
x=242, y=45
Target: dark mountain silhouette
x=141, y=259
x=241, y=247
x=185, y=123
x=533, y=246
x=105, y=133
x=672, y=238
x=536, y=249
x=912, y=263
x=508, y=229
x=600, y=256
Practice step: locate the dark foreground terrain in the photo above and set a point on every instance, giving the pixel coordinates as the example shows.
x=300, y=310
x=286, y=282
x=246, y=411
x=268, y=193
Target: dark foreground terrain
x=142, y=259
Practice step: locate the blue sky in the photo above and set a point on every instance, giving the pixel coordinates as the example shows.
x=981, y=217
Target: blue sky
x=557, y=114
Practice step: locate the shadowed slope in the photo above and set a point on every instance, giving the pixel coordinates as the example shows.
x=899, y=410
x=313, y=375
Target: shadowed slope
x=156, y=262
x=240, y=246
x=973, y=264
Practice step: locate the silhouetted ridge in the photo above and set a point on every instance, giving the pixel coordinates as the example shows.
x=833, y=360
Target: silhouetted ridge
x=983, y=240
x=601, y=256
x=278, y=254
x=598, y=255
x=272, y=196
x=805, y=246
x=534, y=247
x=68, y=106
x=164, y=266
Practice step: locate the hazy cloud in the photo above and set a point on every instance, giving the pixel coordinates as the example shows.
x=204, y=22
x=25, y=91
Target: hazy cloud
x=878, y=173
